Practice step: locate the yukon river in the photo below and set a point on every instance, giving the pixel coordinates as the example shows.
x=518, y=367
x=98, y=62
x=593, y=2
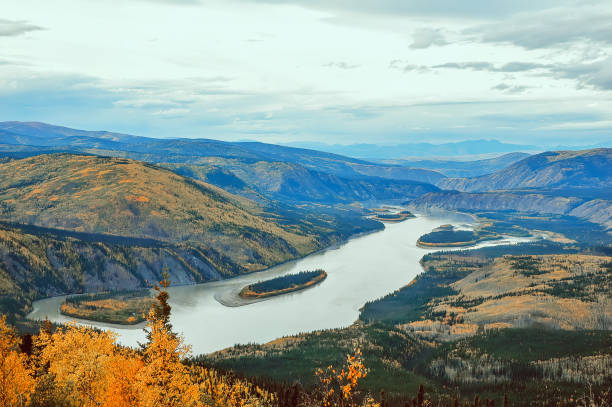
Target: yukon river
x=363, y=269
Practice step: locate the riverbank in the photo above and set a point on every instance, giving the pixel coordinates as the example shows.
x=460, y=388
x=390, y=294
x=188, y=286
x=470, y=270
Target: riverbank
x=356, y=275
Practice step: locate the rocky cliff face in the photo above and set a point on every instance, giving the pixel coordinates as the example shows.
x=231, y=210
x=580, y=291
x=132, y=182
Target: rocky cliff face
x=495, y=202
x=36, y=263
x=596, y=211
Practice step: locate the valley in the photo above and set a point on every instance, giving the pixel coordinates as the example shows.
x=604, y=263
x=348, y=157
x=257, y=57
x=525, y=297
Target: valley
x=263, y=203
x=361, y=270
x=225, y=219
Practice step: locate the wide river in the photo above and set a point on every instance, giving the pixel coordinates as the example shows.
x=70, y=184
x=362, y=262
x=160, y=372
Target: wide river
x=362, y=269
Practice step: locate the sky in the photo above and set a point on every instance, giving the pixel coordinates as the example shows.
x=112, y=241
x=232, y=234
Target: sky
x=331, y=71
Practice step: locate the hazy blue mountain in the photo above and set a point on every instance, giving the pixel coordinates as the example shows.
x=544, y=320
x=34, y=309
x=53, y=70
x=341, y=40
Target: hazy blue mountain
x=186, y=150
x=398, y=151
x=291, y=182
x=456, y=168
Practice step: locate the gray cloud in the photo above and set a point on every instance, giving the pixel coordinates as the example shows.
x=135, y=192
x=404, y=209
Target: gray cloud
x=426, y=37
x=175, y=2
x=12, y=28
x=406, y=67
x=444, y=8
x=549, y=28
x=511, y=89
x=510, y=67
x=596, y=74
x=475, y=66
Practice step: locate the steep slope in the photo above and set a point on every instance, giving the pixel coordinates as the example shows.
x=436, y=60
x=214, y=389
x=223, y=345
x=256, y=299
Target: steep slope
x=133, y=199
x=291, y=182
x=38, y=262
x=597, y=211
x=557, y=169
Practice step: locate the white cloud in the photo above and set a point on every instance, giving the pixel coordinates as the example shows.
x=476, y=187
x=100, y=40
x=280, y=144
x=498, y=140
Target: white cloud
x=426, y=37
x=551, y=27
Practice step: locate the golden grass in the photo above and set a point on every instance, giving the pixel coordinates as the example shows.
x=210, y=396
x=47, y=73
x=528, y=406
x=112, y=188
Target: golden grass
x=120, y=311
x=497, y=296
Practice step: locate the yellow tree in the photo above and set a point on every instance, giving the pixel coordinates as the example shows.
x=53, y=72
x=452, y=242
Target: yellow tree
x=16, y=381
x=338, y=387
x=79, y=359
x=164, y=378
x=122, y=386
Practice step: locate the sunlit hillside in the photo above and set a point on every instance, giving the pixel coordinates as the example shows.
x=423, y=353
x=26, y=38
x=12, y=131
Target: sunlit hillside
x=130, y=198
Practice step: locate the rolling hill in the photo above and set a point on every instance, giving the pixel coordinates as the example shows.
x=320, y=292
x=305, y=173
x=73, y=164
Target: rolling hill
x=571, y=183
x=597, y=211
x=553, y=169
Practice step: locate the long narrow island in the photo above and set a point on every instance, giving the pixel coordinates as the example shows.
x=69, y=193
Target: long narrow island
x=448, y=236
x=283, y=284
x=392, y=217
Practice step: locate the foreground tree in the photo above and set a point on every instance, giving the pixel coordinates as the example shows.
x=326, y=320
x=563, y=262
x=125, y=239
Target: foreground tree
x=165, y=379
x=16, y=380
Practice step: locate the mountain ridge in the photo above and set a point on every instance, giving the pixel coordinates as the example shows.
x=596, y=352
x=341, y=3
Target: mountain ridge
x=551, y=169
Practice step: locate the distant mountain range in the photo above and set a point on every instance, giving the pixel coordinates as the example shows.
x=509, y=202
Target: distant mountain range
x=272, y=171
x=471, y=148
x=457, y=168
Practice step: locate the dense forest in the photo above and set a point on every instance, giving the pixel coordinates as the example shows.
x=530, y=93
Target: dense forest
x=76, y=366
x=286, y=281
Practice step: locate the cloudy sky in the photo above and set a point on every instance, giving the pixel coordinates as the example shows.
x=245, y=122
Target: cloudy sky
x=335, y=71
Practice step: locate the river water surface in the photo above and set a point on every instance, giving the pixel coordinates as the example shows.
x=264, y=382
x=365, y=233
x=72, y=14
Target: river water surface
x=360, y=270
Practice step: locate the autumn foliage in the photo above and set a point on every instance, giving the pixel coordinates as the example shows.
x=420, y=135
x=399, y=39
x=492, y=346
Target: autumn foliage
x=16, y=380
x=338, y=387
x=78, y=366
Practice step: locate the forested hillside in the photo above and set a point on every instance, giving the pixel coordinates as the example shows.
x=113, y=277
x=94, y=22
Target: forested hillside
x=75, y=223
